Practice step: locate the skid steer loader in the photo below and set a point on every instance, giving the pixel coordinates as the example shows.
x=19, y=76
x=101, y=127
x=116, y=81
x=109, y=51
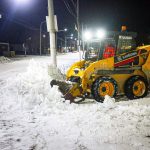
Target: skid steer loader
x=127, y=72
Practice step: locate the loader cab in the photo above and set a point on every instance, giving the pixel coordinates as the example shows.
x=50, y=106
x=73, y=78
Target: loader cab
x=92, y=50
x=125, y=42
x=115, y=43
x=95, y=49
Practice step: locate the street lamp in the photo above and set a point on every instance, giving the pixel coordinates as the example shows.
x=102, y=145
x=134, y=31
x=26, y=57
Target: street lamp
x=61, y=40
x=68, y=37
x=44, y=36
x=64, y=30
x=25, y=45
x=22, y=1
x=41, y=36
x=71, y=36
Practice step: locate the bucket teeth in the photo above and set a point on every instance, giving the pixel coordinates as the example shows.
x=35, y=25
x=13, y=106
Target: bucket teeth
x=64, y=88
x=68, y=96
x=68, y=90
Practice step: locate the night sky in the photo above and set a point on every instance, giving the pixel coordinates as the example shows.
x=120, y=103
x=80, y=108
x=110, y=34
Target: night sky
x=108, y=14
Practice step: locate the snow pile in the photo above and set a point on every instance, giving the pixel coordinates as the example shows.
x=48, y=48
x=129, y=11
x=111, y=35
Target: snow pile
x=108, y=101
x=31, y=88
x=4, y=59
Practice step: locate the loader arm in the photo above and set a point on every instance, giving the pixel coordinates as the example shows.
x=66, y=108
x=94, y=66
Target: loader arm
x=146, y=67
x=78, y=65
x=105, y=64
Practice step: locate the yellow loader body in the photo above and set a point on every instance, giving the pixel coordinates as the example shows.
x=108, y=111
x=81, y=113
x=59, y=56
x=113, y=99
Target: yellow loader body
x=88, y=72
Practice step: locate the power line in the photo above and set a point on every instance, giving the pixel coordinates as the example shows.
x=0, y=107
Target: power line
x=75, y=13
x=18, y=21
x=23, y=24
x=71, y=10
x=74, y=4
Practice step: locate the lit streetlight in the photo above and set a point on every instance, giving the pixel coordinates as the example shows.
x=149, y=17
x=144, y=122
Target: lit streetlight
x=66, y=38
x=64, y=30
x=41, y=36
x=22, y=1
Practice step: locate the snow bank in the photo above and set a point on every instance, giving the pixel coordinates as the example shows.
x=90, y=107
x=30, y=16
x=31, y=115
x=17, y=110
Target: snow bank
x=108, y=101
x=4, y=59
x=32, y=88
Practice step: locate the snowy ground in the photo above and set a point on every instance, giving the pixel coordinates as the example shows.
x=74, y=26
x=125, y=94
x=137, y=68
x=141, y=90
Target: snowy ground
x=33, y=116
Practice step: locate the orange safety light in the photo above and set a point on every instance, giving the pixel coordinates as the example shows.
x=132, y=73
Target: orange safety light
x=123, y=28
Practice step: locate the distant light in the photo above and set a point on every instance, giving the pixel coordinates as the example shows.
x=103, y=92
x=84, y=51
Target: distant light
x=123, y=28
x=0, y=16
x=65, y=29
x=101, y=34
x=87, y=35
x=44, y=36
x=29, y=38
x=71, y=35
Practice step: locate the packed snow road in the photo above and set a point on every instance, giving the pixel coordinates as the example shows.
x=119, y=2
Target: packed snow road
x=34, y=117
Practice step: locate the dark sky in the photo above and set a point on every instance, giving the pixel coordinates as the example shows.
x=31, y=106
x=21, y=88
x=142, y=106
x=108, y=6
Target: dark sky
x=109, y=14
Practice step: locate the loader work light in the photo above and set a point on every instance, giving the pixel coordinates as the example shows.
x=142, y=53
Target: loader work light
x=101, y=34
x=87, y=35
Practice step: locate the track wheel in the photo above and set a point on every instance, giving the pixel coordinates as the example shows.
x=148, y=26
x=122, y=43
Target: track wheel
x=136, y=87
x=104, y=86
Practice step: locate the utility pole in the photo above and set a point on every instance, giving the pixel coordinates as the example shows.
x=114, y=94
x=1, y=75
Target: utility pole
x=83, y=41
x=41, y=37
x=65, y=44
x=78, y=26
x=52, y=32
